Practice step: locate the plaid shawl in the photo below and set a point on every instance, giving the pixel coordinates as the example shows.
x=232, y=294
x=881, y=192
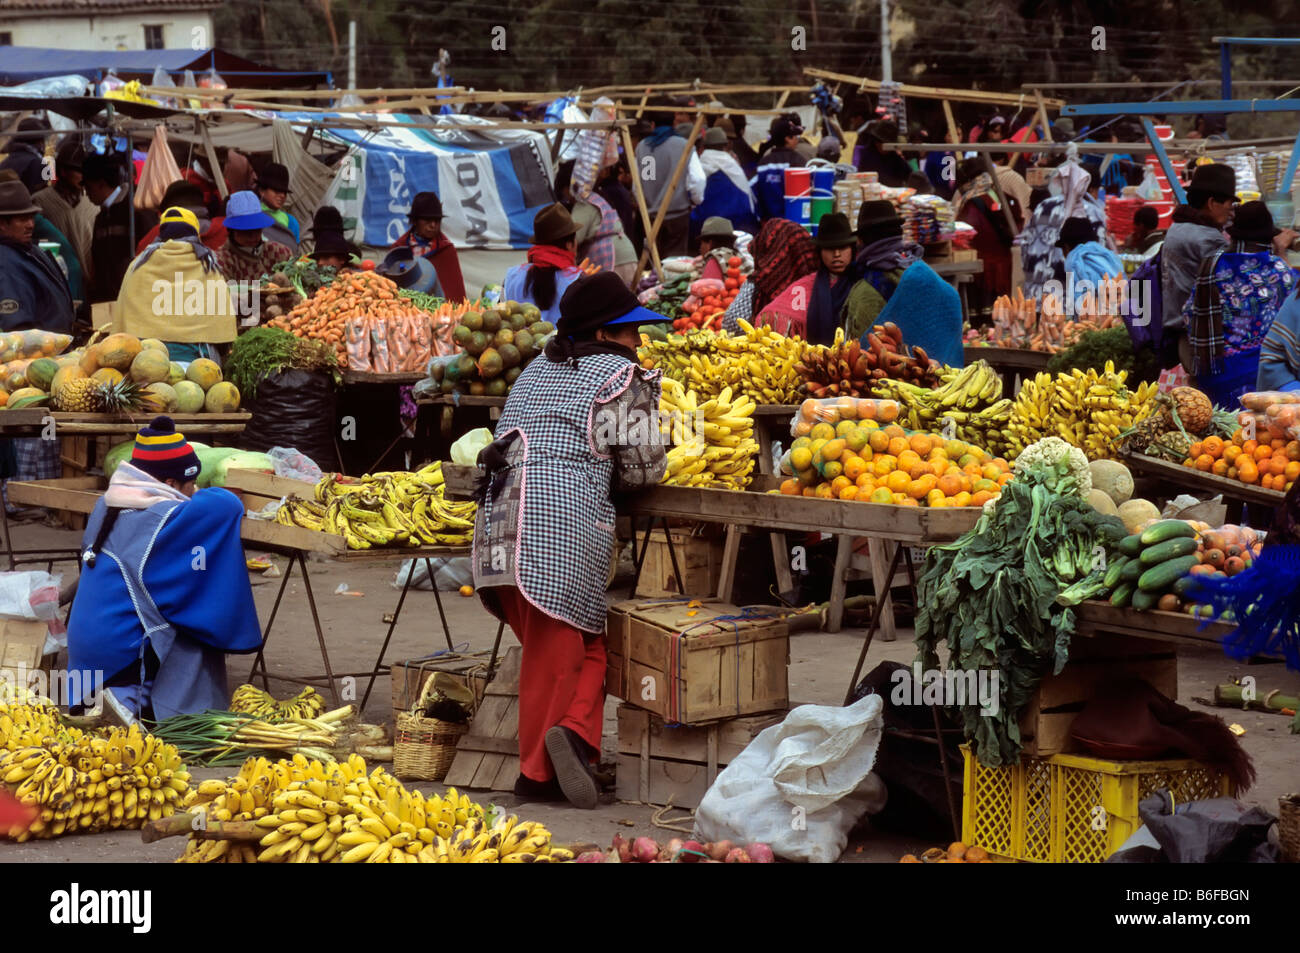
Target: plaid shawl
x=783, y=253
x=1205, y=323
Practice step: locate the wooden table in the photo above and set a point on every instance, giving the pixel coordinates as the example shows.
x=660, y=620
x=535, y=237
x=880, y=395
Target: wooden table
x=1191, y=480
x=1010, y=362
x=34, y=421
x=1094, y=617
x=80, y=494
x=371, y=377
x=959, y=274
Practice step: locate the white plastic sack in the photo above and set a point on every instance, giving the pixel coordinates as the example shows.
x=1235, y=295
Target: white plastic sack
x=449, y=574
x=802, y=785
x=465, y=451
x=1149, y=190
x=33, y=596
x=294, y=465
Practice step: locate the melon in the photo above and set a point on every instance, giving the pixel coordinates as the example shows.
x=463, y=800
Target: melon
x=116, y=455
x=118, y=351
x=89, y=361
x=108, y=375
x=153, y=344
x=1136, y=512
x=64, y=375
x=189, y=397
x=175, y=373
x=150, y=367
x=41, y=371
x=205, y=373
x=22, y=392
x=1101, y=502
x=1113, y=479
x=164, y=398
x=223, y=398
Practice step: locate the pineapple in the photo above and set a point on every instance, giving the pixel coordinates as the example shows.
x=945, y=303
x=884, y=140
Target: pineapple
x=1171, y=445
x=1188, y=409
x=1144, y=434
x=89, y=396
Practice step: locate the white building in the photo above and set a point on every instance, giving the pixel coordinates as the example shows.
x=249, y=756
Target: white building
x=108, y=24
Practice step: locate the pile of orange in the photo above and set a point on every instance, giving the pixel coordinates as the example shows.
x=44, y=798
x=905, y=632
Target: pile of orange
x=836, y=410
x=860, y=460
x=1271, y=461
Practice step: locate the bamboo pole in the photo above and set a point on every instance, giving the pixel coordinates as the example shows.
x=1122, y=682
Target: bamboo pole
x=630, y=151
x=682, y=162
x=211, y=152
x=953, y=129
x=929, y=92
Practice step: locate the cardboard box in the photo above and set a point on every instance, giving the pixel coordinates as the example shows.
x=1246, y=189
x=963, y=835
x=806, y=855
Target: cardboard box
x=699, y=559
x=1045, y=722
x=693, y=661
x=658, y=762
x=22, y=648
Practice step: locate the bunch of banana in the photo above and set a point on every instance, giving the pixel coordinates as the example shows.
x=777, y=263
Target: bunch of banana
x=384, y=509
x=758, y=363
x=712, y=442
x=110, y=779
x=1089, y=409
x=968, y=405
x=249, y=700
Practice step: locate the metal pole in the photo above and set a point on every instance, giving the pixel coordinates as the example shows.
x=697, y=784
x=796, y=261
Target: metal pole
x=1162, y=157
x=1225, y=68
x=352, y=54
x=886, y=45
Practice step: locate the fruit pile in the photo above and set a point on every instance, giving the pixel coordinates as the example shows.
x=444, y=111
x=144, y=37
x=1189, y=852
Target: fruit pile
x=1157, y=567
x=710, y=298
x=1090, y=410
x=646, y=850
x=110, y=779
x=862, y=460
x=758, y=363
x=122, y=374
x=968, y=405
x=1181, y=417
x=303, y=811
x=957, y=853
x=496, y=345
x=712, y=441
x=384, y=509
x=848, y=369
x=250, y=700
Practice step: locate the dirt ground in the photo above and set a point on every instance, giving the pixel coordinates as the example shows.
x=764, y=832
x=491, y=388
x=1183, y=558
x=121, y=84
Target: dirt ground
x=820, y=666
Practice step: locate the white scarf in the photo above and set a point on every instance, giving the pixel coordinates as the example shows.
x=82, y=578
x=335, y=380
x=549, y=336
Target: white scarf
x=133, y=489
x=719, y=160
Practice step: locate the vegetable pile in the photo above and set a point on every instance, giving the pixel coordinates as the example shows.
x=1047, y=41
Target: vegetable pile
x=848, y=369
x=1020, y=322
x=646, y=850
x=260, y=352
x=1002, y=596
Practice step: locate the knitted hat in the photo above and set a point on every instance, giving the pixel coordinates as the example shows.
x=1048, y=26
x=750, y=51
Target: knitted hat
x=163, y=453
x=177, y=215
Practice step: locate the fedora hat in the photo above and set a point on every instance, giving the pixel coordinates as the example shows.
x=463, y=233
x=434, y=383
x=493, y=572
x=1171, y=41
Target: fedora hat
x=403, y=266
x=15, y=199
x=1076, y=231
x=327, y=219
x=599, y=301
x=715, y=138
x=834, y=231
x=274, y=176
x=552, y=225
x=1215, y=179
x=876, y=214
x=1253, y=222
x=715, y=226
x=333, y=243
x=426, y=205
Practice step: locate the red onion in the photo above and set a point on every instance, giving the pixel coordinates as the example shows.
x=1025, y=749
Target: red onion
x=671, y=850
x=760, y=854
x=623, y=848
x=718, y=850
x=644, y=850
x=692, y=853
x=737, y=855
x=590, y=857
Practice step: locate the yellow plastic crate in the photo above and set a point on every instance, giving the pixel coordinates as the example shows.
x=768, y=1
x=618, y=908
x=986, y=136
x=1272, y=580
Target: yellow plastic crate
x=1068, y=808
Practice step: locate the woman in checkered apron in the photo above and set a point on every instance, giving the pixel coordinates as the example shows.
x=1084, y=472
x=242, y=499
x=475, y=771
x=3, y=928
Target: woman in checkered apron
x=580, y=426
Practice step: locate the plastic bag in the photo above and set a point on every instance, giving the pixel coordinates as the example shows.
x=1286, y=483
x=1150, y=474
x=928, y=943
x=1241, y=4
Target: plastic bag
x=465, y=451
x=1149, y=190
x=294, y=408
x=18, y=345
x=380, y=357
x=159, y=171
x=33, y=596
x=802, y=785
x=398, y=333
x=294, y=465
x=831, y=410
x=449, y=573
x=1216, y=830
x=358, y=338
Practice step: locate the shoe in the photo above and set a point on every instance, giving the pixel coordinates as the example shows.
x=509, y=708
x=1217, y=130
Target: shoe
x=526, y=789
x=569, y=758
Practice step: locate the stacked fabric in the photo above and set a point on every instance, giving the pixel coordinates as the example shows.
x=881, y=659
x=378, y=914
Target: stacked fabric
x=927, y=219
x=963, y=236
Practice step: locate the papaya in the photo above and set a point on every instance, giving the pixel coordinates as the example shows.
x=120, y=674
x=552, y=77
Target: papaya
x=205, y=373
x=118, y=351
x=150, y=367
x=223, y=398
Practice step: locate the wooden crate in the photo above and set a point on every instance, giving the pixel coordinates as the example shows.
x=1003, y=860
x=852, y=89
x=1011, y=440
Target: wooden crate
x=658, y=762
x=1045, y=722
x=672, y=658
x=409, y=677
x=698, y=557
x=488, y=756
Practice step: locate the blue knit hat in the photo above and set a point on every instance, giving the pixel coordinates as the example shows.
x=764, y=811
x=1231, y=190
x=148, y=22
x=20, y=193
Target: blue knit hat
x=164, y=454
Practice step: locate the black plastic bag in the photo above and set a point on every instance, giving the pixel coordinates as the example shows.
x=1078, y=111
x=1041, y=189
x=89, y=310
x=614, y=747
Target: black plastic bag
x=294, y=408
x=1219, y=830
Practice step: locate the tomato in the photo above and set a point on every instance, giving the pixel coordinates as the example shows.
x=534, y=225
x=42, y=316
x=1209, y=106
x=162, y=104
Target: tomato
x=367, y=265
x=732, y=284
x=734, y=261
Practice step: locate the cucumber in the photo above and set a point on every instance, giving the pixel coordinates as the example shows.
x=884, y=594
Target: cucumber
x=1122, y=596
x=1166, y=529
x=1160, y=577
x=1131, y=545
x=1184, y=587
x=1145, y=601
x=1131, y=571
x=1170, y=548
x=1111, y=579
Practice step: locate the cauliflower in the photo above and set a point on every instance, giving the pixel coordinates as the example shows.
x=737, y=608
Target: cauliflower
x=1063, y=467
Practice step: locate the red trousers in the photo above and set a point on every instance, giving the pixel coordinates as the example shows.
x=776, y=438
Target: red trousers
x=561, y=681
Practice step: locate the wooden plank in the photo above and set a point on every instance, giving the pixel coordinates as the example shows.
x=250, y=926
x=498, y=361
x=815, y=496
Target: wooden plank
x=629, y=150
x=954, y=130
x=730, y=556
x=484, y=759
x=1016, y=357
x=67, y=499
x=652, y=233
x=35, y=416
x=835, y=614
x=880, y=553
x=931, y=92
x=268, y=484
x=370, y=377
x=1187, y=479
x=268, y=533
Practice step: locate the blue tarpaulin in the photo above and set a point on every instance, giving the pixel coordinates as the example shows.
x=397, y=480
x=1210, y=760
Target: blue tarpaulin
x=21, y=64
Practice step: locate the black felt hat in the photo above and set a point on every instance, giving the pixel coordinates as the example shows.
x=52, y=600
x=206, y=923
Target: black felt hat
x=426, y=205
x=834, y=231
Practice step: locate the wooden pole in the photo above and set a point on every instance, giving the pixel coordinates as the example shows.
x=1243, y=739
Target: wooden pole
x=997, y=190
x=682, y=162
x=929, y=92
x=210, y=151
x=954, y=131
x=630, y=151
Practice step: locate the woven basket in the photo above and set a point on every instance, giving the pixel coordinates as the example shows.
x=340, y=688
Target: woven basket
x=423, y=748
x=1288, y=827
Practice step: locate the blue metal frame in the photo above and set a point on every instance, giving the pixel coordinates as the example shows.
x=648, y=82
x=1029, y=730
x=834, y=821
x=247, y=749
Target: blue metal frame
x=1158, y=148
x=1226, y=43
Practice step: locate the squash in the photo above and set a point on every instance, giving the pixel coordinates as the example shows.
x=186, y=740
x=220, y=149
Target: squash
x=1113, y=479
x=1102, y=502
x=1136, y=513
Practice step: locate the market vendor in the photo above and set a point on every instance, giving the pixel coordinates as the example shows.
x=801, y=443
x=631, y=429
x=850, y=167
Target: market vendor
x=332, y=250
x=976, y=203
x=247, y=255
x=813, y=305
x=1279, y=355
x=775, y=156
x=1147, y=236
x=783, y=252
x=103, y=178
x=717, y=246
x=1074, y=196
x=174, y=291
x=273, y=190
x=726, y=188
x=164, y=592
x=542, y=280
x=33, y=290
x=182, y=194
x=65, y=204
x=600, y=236
x=1088, y=263
x=579, y=426
x=426, y=238
x=1237, y=295
x=889, y=165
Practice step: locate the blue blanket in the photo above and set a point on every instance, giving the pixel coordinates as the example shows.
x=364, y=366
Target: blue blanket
x=928, y=311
